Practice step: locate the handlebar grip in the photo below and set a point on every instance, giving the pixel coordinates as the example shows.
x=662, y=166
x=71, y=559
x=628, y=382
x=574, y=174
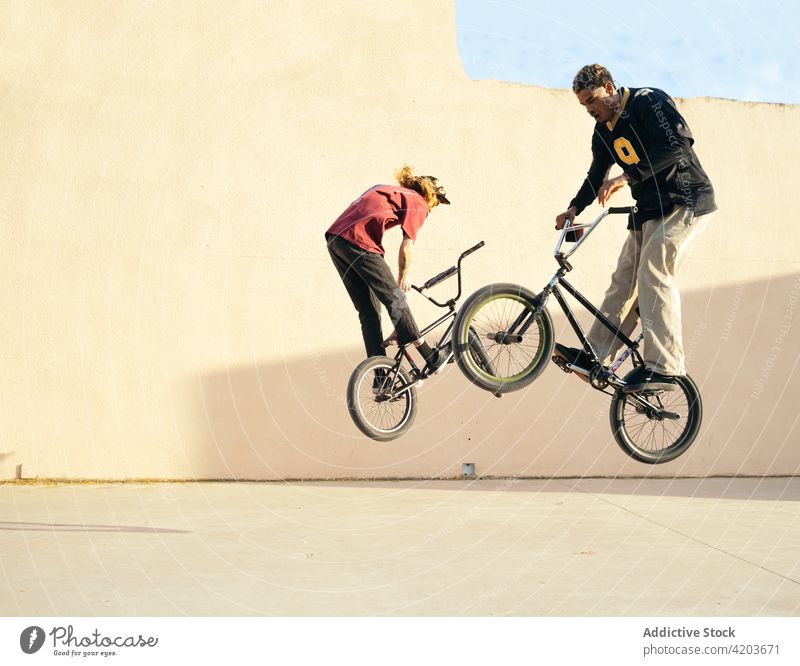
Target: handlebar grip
x=622, y=209
x=472, y=249
x=450, y=272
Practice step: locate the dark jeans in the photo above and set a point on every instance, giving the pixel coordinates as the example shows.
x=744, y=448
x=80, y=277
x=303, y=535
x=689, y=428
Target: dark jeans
x=370, y=282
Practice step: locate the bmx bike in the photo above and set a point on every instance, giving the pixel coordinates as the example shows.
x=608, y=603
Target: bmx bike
x=517, y=338
x=382, y=392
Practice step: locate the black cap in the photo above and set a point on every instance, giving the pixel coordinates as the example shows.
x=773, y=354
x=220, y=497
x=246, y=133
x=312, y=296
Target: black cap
x=440, y=193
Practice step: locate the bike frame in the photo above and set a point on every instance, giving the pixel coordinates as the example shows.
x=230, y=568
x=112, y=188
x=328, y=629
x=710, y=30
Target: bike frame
x=404, y=352
x=450, y=304
x=557, y=282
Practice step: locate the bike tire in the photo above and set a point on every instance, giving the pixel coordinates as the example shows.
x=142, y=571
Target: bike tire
x=638, y=435
x=511, y=366
x=382, y=421
x=478, y=351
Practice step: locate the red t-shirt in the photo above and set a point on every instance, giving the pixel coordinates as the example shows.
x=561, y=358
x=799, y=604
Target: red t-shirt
x=378, y=209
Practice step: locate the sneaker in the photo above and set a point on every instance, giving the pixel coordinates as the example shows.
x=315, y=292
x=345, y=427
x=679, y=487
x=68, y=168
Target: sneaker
x=436, y=362
x=580, y=360
x=642, y=378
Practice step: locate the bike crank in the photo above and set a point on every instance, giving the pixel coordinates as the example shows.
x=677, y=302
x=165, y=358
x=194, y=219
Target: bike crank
x=653, y=412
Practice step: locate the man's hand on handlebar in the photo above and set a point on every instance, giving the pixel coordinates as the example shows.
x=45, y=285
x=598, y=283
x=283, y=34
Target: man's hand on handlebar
x=568, y=214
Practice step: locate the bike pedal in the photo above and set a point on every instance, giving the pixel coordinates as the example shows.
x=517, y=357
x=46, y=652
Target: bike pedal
x=427, y=373
x=561, y=363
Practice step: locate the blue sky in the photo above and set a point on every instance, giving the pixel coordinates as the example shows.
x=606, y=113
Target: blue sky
x=741, y=49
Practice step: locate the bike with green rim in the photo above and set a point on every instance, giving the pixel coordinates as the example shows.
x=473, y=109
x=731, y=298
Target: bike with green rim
x=517, y=338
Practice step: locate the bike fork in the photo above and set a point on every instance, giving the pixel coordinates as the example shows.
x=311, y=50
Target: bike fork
x=526, y=319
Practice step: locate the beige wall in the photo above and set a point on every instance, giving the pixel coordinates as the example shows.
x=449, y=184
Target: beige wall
x=168, y=170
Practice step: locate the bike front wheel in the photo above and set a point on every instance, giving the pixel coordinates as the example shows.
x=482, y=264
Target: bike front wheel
x=655, y=428
x=381, y=398
x=501, y=344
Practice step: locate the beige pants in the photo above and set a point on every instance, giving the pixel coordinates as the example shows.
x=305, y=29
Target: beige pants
x=645, y=276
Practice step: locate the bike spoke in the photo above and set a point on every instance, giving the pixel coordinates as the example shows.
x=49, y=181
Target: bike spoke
x=649, y=433
x=497, y=317
x=383, y=415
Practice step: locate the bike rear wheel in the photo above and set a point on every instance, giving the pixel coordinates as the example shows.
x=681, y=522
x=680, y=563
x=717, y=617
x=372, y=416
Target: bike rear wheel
x=378, y=404
x=500, y=344
x=657, y=427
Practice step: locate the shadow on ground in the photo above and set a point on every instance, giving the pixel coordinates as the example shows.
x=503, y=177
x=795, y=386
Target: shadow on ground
x=8, y=526
x=783, y=489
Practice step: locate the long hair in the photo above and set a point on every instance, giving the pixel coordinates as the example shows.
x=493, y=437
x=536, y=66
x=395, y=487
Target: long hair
x=405, y=177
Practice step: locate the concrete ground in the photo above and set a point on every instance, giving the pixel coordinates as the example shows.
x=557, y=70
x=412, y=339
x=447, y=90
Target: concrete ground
x=488, y=547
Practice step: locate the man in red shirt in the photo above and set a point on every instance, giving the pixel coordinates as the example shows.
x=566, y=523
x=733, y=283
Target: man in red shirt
x=354, y=243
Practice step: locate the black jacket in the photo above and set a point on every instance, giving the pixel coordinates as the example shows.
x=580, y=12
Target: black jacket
x=651, y=141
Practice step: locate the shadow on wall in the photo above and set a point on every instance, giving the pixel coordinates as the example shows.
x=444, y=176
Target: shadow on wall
x=290, y=421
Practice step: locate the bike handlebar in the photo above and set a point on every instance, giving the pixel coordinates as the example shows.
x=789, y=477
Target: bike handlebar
x=444, y=275
x=450, y=272
x=466, y=253
x=569, y=230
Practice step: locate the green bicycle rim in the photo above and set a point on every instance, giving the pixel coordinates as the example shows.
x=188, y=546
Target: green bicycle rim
x=531, y=366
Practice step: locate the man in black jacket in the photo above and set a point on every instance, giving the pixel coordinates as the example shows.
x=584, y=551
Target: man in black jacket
x=642, y=131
